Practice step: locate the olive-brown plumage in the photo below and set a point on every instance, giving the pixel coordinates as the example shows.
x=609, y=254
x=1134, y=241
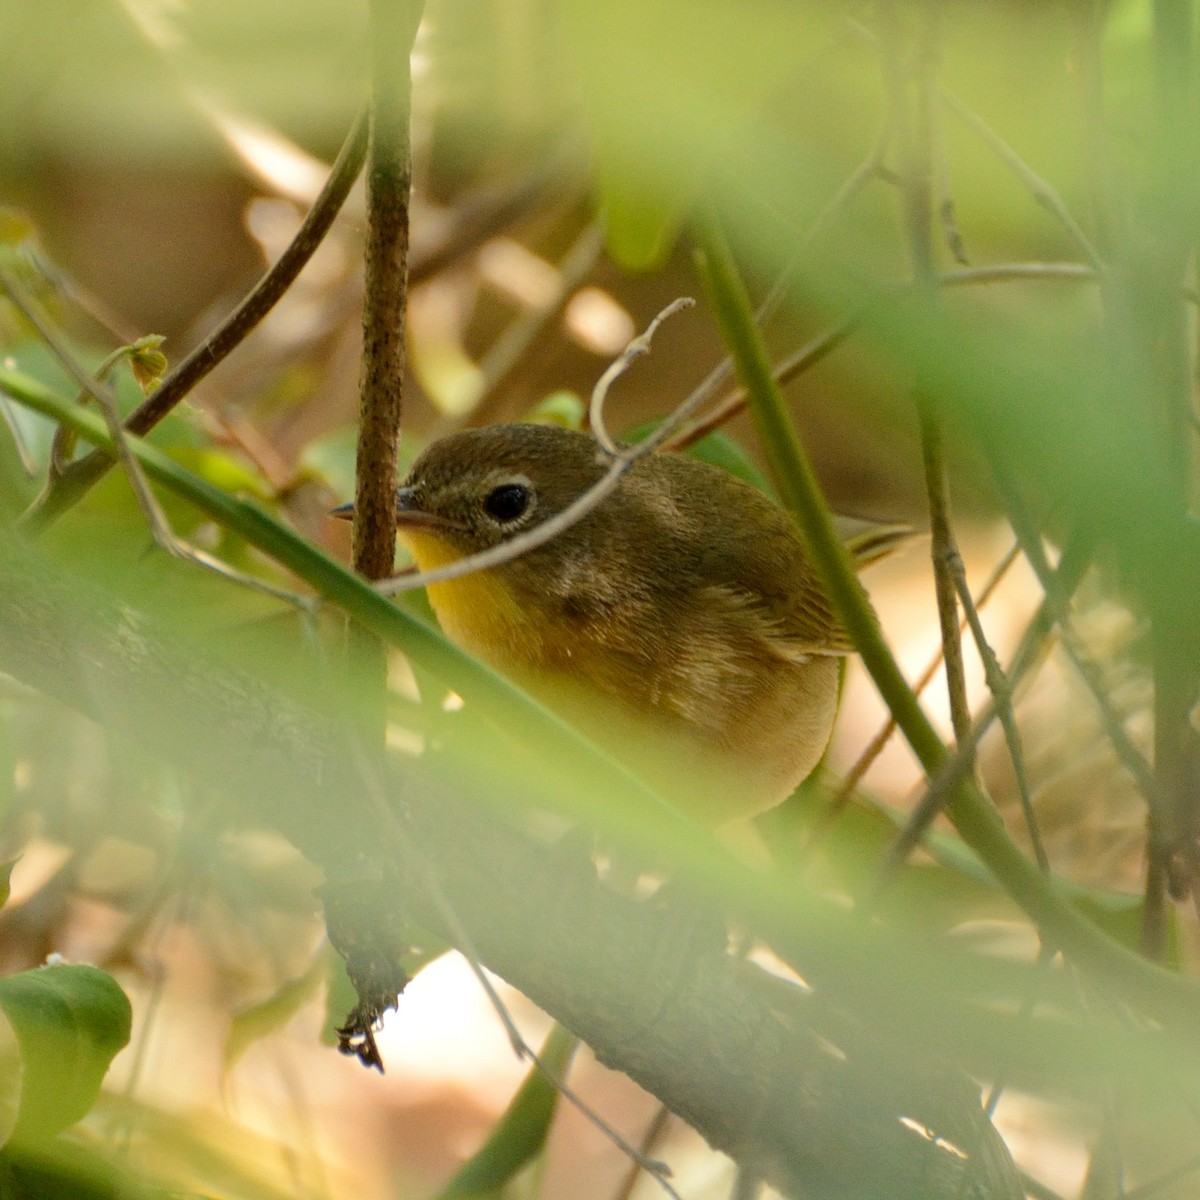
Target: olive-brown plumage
x=679, y=623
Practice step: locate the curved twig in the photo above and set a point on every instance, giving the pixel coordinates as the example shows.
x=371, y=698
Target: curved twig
x=82, y=475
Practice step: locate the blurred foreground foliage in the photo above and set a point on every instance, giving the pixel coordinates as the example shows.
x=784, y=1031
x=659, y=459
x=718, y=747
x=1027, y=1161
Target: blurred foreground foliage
x=977, y=226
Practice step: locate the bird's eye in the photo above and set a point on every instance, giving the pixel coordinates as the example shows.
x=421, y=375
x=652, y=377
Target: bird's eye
x=508, y=501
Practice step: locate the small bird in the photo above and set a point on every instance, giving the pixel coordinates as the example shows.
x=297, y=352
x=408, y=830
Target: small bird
x=679, y=624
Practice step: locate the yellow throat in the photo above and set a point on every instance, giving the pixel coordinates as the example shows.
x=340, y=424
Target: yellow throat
x=478, y=611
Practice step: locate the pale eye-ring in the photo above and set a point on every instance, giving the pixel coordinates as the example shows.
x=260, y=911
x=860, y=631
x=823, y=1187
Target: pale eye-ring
x=508, y=502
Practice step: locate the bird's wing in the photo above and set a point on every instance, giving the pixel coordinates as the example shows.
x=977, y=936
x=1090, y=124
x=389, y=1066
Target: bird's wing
x=795, y=631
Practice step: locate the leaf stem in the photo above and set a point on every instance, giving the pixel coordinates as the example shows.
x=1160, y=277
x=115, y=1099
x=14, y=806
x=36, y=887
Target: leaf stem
x=1152, y=990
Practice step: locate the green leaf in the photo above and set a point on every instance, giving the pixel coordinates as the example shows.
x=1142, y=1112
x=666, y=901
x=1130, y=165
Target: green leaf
x=65, y=1170
x=224, y=471
x=70, y=1021
x=640, y=227
x=520, y=1134
x=563, y=408
x=668, y=89
x=7, y=775
x=955, y=887
x=331, y=458
x=259, y=1021
x=11, y=1078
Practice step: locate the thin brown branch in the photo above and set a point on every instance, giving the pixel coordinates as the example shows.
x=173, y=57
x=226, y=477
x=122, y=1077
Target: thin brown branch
x=914, y=137
x=83, y=474
x=817, y=350
x=646, y=1147
x=1114, y=724
x=791, y=368
x=944, y=553
x=1001, y=690
x=1066, y=579
x=1040, y=189
x=876, y=745
x=385, y=300
x=1016, y=272
x=943, y=192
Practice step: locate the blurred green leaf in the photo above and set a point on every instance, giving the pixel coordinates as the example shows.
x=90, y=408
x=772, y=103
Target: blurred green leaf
x=12, y=1079
x=65, y=1170
x=640, y=227
x=1121, y=916
x=330, y=458
x=224, y=470
x=70, y=1021
x=670, y=90
x=559, y=408
x=154, y=85
x=269, y=1016
x=955, y=888
x=8, y=779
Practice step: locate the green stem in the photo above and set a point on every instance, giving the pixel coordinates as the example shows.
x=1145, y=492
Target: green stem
x=334, y=583
x=976, y=820
x=801, y=493
x=630, y=808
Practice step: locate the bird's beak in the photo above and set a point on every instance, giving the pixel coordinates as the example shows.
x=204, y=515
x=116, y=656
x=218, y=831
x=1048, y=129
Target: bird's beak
x=407, y=512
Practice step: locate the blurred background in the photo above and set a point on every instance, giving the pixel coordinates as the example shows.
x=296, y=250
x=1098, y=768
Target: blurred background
x=157, y=155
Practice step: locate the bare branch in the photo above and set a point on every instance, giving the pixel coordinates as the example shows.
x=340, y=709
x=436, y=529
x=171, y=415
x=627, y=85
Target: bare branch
x=1001, y=690
x=636, y=348
x=876, y=745
x=385, y=292
x=83, y=474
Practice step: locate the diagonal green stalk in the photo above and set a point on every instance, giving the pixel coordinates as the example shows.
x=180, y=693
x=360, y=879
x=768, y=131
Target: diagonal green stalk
x=334, y=583
x=801, y=493
x=973, y=816
x=773, y=909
